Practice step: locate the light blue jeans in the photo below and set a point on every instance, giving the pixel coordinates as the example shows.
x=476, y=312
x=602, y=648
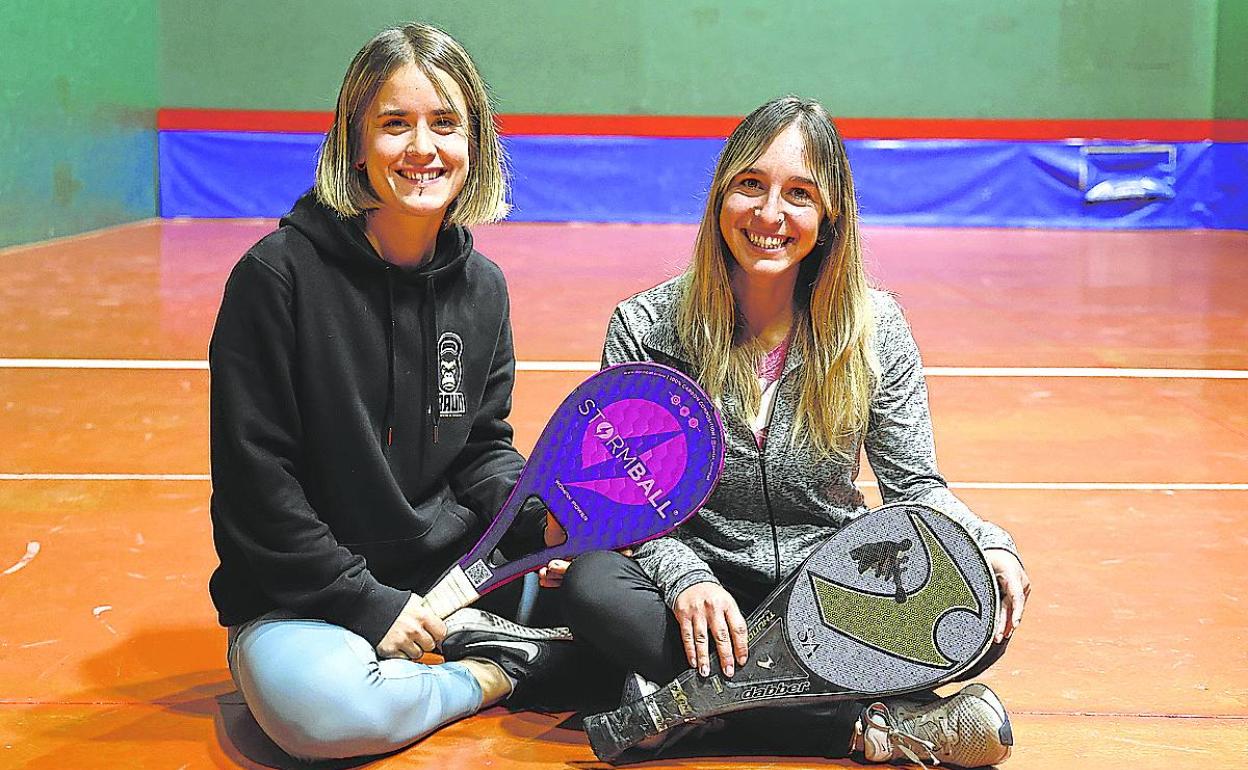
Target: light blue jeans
x=320, y=692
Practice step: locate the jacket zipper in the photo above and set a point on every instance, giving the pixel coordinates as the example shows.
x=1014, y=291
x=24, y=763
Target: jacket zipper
x=762, y=466
x=771, y=516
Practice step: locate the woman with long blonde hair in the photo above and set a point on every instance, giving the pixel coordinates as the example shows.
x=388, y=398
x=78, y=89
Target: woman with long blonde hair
x=810, y=366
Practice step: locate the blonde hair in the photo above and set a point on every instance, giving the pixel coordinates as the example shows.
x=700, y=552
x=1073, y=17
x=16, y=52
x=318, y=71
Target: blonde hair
x=833, y=318
x=346, y=189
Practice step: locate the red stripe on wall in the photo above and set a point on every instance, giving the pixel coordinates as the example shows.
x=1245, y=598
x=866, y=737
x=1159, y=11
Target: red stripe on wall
x=272, y=121
x=1229, y=131
x=690, y=126
x=1043, y=130
x=173, y=119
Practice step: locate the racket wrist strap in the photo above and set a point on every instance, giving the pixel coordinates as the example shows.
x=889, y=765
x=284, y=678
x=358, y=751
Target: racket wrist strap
x=452, y=592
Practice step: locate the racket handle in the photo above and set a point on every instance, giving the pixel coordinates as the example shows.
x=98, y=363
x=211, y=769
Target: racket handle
x=613, y=733
x=453, y=592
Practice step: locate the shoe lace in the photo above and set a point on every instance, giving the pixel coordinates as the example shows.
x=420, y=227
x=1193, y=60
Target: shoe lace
x=937, y=734
x=907, y=743
x=943, y=736
x=910, y=745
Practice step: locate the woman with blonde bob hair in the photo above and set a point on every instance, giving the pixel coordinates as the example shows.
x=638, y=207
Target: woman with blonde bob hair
x=810, y=366
x=446, y=66
x=362, y=370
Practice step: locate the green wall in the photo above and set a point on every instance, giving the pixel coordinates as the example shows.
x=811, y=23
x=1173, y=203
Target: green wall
x=1231, y=77
x=80, y=79
x=77, y=116
x=884, y=58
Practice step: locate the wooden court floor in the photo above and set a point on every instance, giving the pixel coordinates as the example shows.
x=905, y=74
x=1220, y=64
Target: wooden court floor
x=1089, y=393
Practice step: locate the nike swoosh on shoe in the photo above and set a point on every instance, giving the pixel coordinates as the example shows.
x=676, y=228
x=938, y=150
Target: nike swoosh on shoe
x=529, y=649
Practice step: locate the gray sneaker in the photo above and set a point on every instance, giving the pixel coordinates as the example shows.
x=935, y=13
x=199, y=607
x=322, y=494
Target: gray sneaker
x=968, y=729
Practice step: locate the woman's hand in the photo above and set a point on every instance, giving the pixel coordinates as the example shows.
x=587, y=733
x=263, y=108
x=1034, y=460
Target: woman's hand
x=552, y=533
x=1015, y=588
x=415, y=631
x=551, y=576
x=706, y=611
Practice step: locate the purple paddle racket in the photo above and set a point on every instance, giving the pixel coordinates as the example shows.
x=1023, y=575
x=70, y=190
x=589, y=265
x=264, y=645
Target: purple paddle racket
x=633, y=452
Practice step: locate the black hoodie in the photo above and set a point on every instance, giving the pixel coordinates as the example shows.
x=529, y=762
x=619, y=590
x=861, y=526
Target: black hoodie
x=336, y=489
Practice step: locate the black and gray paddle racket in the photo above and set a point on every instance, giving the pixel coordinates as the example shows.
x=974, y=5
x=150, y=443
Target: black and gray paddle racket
x=898, y=600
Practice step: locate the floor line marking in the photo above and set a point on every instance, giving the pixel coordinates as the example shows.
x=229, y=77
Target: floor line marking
x=1128, y=714
x=105, y=477
x=1061, y=371
x=1090, y=486
x=1096, y=486
x=558, y=366
x=593, y=366
x=100, y=363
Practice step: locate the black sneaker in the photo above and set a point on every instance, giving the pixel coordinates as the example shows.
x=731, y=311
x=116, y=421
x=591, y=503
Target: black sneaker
x=530, y=656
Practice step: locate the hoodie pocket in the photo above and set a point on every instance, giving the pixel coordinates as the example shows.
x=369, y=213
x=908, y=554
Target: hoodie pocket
x=411, y=563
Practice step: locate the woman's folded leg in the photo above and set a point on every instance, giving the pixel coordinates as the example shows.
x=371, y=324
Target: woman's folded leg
x=320, y=692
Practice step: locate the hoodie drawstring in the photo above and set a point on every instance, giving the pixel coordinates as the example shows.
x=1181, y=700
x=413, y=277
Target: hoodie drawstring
x=431, y=391
x=432, y=355
x=390, y=358
x=430, y=334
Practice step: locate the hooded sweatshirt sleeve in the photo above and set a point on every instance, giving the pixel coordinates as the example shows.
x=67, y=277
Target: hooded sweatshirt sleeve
x=259, y=507
x=899, y=441
x=670, y=563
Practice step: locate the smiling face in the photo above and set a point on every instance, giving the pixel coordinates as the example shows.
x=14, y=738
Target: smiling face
x=415, y=145
x=771, y=210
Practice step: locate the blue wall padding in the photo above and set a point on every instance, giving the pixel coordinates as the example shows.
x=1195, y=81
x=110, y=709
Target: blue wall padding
x=1228, y=164
x=630, y=179
x=1037, y=184
x=610, y=179
x=234, y=173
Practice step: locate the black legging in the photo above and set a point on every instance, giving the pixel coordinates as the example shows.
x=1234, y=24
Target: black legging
x=614, y=607
x=582, y=682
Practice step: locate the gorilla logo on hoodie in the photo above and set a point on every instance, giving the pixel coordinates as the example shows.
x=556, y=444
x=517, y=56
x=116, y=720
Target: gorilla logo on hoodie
x=450, y=375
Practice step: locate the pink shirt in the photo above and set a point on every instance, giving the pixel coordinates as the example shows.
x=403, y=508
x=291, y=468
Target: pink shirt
x=769, y=370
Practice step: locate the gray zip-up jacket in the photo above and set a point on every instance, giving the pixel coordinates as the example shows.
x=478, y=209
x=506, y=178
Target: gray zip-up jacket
x=808, y=497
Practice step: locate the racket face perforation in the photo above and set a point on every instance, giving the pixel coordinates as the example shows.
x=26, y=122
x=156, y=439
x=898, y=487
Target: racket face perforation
x=628, y=456
x=900, y=599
